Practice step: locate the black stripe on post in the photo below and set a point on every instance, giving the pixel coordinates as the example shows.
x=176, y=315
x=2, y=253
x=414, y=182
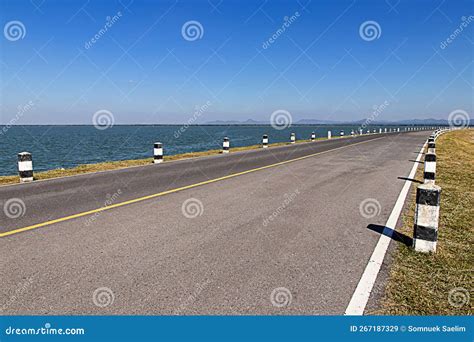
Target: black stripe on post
x=26, y=174
x=428, y=196
x=24, y=157
x=431, y=145
x=425, y=233
x=429, y=175
x=430, y=157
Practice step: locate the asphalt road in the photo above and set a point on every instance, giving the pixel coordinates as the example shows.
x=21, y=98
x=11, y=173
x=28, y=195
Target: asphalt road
x=295, y=226
x=56, y=198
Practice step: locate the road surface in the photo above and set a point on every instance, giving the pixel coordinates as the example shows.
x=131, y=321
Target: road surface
x=285, y=239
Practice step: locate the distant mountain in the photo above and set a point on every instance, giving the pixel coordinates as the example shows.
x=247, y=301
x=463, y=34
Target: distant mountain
x=402, y=122
x=316, y=122
x=233, y=122
x=333, y=122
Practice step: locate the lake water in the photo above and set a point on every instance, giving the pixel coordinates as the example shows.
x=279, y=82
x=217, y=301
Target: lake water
x=68, y=146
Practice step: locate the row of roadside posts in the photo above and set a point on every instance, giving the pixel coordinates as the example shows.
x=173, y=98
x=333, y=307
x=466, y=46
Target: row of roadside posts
x=25, y=160
x=428, y=196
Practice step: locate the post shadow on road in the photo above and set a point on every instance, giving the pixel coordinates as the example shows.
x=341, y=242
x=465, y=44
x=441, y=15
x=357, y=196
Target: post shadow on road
x=393, y=234
x=410, y=179
x=416, y=161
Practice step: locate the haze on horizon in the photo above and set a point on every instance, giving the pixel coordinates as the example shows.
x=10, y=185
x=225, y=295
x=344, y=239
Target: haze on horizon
x=169, y=62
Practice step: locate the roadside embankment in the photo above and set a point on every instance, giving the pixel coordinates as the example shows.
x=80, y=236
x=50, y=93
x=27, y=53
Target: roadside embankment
x=439, y=283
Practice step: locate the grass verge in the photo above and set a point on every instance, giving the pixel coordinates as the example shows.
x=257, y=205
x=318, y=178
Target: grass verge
x=115, y=165
x=439, y=283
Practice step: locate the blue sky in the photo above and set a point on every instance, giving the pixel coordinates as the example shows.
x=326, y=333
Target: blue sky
x=143, y=70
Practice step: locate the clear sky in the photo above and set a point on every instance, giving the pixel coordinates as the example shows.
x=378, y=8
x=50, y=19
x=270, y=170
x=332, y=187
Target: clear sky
x=145, y=68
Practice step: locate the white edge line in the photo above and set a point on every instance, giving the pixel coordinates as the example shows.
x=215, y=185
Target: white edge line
x=366, y=283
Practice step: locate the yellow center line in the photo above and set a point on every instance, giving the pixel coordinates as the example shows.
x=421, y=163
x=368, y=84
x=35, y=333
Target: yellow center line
x=85, y=213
